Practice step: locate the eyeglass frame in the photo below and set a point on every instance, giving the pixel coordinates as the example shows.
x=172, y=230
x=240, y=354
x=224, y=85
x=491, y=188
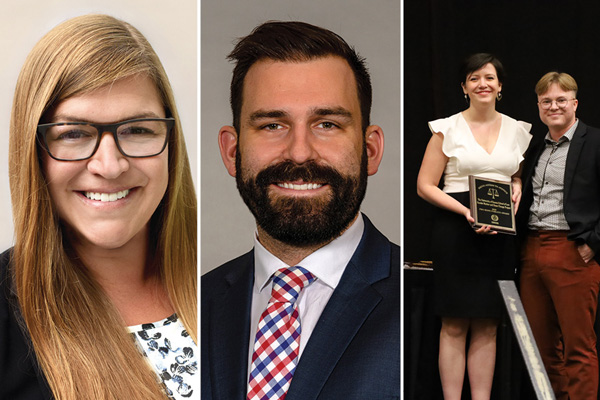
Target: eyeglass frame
x=103, y=128
x=554, y=101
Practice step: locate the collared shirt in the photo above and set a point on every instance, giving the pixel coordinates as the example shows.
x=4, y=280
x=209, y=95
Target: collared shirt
x=547, y=211
x=327, y=264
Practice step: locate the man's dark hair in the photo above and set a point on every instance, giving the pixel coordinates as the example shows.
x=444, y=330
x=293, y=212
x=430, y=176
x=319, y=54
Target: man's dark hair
x=294, y=41
x=477, y=61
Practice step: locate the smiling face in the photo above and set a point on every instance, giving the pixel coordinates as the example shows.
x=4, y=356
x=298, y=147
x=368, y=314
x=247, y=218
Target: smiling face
x=558, y=119
x=301, y=160
x=482, y=86
x=106, y=201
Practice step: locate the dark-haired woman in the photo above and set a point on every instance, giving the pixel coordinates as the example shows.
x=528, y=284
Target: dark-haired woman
x=467, y=263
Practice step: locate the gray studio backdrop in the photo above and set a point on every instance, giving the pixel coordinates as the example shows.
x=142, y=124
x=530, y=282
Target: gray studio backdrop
x=171, y=29
x=373, y=28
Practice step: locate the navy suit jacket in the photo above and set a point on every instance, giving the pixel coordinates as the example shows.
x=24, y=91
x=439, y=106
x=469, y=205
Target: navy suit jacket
x=20, y=377
x=354, y=350
x=581, y=186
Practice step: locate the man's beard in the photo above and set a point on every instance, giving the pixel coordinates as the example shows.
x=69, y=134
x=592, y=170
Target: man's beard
x=300, y=221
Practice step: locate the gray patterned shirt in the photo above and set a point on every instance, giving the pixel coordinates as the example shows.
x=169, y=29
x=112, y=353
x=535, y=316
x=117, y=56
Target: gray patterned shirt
x=547, y=212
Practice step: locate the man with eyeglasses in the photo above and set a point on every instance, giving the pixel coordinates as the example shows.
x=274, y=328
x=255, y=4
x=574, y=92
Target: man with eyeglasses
x=560, y=220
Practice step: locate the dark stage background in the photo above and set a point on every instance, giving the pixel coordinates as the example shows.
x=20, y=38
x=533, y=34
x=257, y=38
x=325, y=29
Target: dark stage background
x=529, y=37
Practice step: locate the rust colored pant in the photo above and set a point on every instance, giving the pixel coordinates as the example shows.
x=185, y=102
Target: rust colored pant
x=560, y=296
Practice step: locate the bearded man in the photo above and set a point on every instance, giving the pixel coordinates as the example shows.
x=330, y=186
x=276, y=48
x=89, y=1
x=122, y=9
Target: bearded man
x=313, y=311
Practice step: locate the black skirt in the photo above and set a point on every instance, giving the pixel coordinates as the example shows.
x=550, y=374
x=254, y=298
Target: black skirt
x=467, y=266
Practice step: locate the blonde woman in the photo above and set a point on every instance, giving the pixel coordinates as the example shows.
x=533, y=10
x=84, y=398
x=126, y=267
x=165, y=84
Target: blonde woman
x=478, y=141
x=101, y=282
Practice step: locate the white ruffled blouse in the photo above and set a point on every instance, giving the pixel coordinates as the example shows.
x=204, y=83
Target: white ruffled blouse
x=467, y=157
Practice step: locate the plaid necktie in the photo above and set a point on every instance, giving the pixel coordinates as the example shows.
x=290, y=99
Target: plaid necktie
x=278, y=337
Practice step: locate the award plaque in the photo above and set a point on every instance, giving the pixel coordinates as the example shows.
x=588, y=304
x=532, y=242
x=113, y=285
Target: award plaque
x=491, y=204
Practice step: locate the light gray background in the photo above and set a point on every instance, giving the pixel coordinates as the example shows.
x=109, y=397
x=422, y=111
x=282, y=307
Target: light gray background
x=171, y=28
x=373, y=28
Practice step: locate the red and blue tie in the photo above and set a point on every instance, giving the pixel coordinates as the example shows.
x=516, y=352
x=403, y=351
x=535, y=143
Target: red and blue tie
x=278, y=337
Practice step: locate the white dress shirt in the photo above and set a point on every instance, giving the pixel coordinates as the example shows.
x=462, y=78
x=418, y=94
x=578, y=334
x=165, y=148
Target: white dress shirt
x=327, y=264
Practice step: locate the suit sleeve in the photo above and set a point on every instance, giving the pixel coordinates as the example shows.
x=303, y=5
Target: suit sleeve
x=582, y=204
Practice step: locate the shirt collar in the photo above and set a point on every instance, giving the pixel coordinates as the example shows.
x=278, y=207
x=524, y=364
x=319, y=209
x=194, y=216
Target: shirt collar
x=568, y=136
x=327, y=263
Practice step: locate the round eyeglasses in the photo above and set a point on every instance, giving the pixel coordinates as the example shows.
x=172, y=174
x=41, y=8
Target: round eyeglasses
x=75, y=141
x=561, y=102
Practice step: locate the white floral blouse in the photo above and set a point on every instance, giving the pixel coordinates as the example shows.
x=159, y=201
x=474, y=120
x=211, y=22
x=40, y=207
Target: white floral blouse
x=172, y=354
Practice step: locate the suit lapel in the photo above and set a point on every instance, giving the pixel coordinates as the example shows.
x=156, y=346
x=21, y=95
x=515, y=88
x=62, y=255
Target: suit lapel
x=532, y=159
x=230, y=335
x=575, y=148
x=348, y=308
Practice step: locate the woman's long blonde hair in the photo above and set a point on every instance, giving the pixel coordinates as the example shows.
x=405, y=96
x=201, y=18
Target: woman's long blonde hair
x=79, y=338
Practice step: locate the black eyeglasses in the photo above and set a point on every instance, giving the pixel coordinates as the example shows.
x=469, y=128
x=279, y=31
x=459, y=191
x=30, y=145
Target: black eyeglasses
x=75, y=141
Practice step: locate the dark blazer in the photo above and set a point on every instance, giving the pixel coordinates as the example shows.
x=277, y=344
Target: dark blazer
x=581, y=186
x=20, y=378
x=354, y=350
